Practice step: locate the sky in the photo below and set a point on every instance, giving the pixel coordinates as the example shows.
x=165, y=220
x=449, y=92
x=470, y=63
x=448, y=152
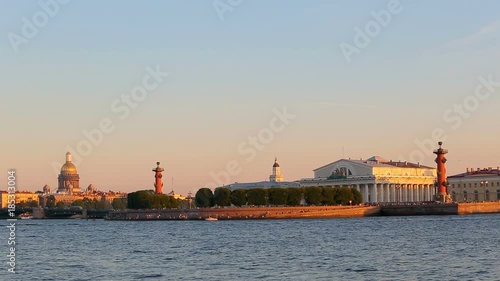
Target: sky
x=215, y=90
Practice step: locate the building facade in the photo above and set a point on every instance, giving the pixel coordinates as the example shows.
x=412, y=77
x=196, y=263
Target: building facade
x=21, y=197
x=276, y=180
x=475, y=185
x=378, y=180
x=276, y=176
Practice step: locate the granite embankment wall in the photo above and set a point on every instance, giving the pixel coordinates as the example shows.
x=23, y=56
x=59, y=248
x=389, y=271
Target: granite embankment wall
x=419, y=210
x=309, y=212
x=478, y=208
x=248, y=213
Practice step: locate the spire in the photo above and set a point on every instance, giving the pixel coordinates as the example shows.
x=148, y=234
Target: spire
x=69, y=158
x=276, y=162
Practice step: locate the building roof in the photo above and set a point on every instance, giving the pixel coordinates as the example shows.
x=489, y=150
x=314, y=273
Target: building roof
x=477, y=173
x=69, y=168
x=377, y=161
x=262, y=184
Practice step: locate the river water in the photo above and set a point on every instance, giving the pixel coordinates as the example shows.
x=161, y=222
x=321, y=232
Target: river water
x=377, y=248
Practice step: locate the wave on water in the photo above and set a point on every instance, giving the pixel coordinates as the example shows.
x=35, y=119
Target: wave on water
x=361, y=270
x=140, y=277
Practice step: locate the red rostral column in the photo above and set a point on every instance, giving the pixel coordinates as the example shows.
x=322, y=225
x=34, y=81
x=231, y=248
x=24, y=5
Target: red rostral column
x=442, y=182
x=158, y=180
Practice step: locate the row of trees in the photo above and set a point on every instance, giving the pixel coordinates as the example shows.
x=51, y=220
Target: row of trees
x=292, y=196
x=147, y=199
x=27, y=204
x=87, y=203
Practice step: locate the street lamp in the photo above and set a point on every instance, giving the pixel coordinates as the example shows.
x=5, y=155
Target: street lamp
x=484, y=184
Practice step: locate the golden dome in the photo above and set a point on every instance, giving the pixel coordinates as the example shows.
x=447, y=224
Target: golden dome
x=68, y=168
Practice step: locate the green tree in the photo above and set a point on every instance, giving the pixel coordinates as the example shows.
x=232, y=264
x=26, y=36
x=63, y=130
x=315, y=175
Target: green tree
x=78, y=203
x=313, y=195
x=239, y=197
x=222, y=196
x=23, y=204
x=102, y=204
x=357, y=197
x=328, y=194
x=343, y=195
x=277, y=196
x=119, y=203
x=257, y=196
x=174, y=203
x=294, y=196
x=60, y=204
x=51, y=202
x=182, y=204
x=204, y=198
x=139, y=200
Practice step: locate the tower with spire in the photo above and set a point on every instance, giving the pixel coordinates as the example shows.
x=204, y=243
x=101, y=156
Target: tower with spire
x=276, y=176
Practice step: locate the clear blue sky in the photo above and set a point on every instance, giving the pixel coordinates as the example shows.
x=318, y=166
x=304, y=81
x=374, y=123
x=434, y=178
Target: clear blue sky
x=226, y=77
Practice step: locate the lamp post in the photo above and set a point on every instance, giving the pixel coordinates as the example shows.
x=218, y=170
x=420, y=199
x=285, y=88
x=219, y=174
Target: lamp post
x=484, y=184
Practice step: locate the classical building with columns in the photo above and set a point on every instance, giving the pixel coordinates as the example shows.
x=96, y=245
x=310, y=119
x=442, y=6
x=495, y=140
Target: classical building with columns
x=378, y=180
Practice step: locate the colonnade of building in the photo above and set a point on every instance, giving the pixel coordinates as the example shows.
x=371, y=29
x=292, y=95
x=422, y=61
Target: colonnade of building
x=395, y=193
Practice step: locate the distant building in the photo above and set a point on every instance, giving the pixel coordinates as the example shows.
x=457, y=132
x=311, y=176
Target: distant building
x=378, y=180
x=21, y=197
x=475, y=185
x=90, y=193
x=176, y=196
x=276, y=176
x=276, y=180
x=69, y=180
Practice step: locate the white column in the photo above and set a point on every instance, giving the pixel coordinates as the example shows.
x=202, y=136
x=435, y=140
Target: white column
x=406, y=196
x=356, y=186
x=417, y=193
x=381, y=194
x=364, y=192
x=392, y=187
x=374, y=193
x=410, y=190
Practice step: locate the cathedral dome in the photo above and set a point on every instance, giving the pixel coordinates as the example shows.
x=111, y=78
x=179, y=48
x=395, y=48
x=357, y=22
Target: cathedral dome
x=69, y=168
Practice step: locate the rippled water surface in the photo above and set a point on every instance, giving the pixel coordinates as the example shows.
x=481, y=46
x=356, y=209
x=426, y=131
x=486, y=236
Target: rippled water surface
x=379, y=248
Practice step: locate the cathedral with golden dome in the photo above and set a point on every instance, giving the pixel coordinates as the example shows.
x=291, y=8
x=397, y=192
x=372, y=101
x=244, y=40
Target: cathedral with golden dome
x=69, y=180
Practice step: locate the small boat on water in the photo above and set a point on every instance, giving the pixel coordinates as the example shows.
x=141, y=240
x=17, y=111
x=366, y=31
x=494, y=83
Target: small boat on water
x=211, y=219
x=26, y=216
